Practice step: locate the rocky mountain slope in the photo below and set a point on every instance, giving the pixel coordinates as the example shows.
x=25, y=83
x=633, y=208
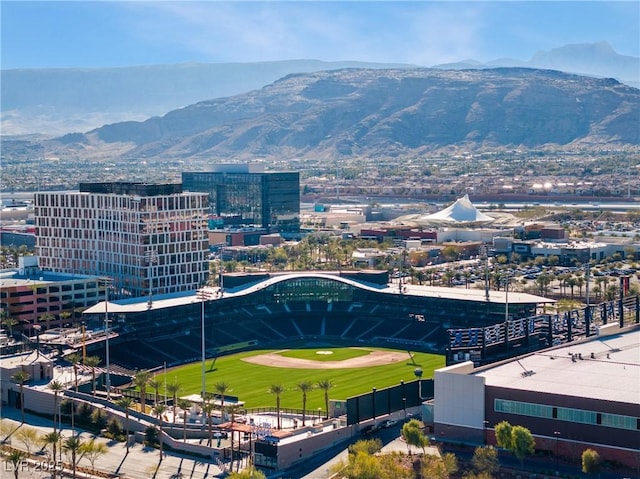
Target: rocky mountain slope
x=383, y=113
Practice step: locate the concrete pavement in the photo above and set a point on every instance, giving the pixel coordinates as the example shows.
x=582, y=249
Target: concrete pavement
x=140, y=463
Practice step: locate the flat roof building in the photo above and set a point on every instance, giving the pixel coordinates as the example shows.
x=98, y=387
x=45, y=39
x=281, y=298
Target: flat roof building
x=585, y=394
x=244, y=195
x=148, y=239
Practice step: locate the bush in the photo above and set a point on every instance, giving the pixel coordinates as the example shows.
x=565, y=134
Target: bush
x=151, y=436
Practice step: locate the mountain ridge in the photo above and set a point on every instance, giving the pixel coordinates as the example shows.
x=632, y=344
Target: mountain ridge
x=63, y=100
x=389, y=113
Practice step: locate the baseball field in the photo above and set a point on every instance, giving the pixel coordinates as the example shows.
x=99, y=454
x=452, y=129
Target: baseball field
x=352, y=371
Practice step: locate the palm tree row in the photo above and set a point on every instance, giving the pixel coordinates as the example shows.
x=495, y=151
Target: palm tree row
x=304, y=387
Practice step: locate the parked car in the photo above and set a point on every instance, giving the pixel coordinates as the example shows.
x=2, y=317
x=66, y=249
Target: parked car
x=370, y=429
x=388, y=423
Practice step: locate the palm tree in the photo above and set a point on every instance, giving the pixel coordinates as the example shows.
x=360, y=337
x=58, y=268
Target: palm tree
x=277, y=389
x=74, y=359
x=325, y=385
x=21, y=377
x=222, y=388
x=47, y=317
x=9, y=322
x=92, y=362
x=173, y=389
x=125, y=403
x=52, y=439
x=184, y=405
x=73, y=445
x=304, y=387
x=16, y=459
x=56, y=386
x=207, y=409
x=141, y=380
x=160, y=409
x=155, y=384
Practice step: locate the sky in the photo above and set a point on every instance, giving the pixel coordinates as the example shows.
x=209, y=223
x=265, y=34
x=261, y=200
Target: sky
x=90, y=34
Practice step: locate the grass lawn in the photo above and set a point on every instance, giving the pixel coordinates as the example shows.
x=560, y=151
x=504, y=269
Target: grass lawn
x=337, y=354
x=251, y=382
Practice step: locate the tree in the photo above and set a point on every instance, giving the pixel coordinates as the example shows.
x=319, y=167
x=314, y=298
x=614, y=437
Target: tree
x=74, y=359
x=367, y=446
x=72, y=447
x=325, y=385
x=21, y=377
x=92, y=362
x=9, y=322
x=141, y=380
x=173, y=389
x=503, y=435
x=222, y=388
x=249, y=473
x=154, y=383
x=516, y=439
x=51, y=439
x=160, y=409
x=27, y=436
x=485, y=459
x=304, y=387
x=56, y=386
x=93, y=450
x=590, y=461
x=277, y=389
x=184, y=405
x=413, y=435
x=125, y=403
x=16, y=458
x=523, y=442
x=207, y=409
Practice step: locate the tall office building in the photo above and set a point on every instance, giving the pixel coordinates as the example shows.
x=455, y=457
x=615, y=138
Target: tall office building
x=244, y=195
x=148, y=239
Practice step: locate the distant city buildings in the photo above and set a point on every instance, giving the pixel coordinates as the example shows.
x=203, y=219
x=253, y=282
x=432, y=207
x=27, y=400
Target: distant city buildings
x=147, y=239
x=244, y=195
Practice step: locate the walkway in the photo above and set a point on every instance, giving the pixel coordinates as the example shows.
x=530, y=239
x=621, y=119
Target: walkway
x=141, y=462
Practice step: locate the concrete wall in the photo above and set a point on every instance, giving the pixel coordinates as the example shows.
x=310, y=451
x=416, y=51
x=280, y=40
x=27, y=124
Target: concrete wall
x=459, y=403
x=297, y=451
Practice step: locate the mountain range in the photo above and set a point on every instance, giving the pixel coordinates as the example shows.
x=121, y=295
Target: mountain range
x=57, y=101
x=392, y=113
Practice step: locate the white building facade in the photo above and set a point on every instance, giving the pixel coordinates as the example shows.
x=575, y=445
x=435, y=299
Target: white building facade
x=148, y=239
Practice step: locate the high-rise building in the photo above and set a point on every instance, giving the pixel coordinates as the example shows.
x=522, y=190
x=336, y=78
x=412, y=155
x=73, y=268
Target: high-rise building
x=244, y=195
x=148, y=239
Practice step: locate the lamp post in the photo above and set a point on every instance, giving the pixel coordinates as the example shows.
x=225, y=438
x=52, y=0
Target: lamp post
x=557, y=435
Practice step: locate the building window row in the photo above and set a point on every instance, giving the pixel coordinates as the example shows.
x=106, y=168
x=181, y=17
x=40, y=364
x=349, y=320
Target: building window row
x=582, y=416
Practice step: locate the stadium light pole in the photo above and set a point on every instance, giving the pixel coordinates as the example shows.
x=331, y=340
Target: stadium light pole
x=203, y=295
x=107, y=284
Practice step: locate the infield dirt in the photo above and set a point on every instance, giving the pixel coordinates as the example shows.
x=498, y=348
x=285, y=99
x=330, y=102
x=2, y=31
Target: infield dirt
x=374, y=358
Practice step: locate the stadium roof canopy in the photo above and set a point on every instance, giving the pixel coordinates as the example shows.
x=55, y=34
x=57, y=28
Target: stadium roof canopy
x=408, y=290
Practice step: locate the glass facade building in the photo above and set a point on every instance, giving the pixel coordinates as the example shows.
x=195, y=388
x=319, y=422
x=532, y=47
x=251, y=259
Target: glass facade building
x=241, y=197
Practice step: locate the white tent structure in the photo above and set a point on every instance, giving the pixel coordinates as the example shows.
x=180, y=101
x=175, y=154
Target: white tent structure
x=461, y=214
x=462, y=211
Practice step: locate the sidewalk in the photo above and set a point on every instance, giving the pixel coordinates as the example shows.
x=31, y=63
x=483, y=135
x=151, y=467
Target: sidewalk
x=141, y=462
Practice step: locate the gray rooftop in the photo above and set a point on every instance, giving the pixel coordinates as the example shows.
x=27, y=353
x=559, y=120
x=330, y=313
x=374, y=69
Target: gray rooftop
x=458, y=294
x=612, y=374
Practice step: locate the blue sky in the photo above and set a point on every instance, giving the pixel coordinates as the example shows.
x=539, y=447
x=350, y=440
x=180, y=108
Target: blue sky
x=112, y=33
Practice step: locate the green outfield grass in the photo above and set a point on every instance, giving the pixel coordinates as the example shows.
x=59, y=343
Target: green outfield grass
x=251, y=382
x=337, y=354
